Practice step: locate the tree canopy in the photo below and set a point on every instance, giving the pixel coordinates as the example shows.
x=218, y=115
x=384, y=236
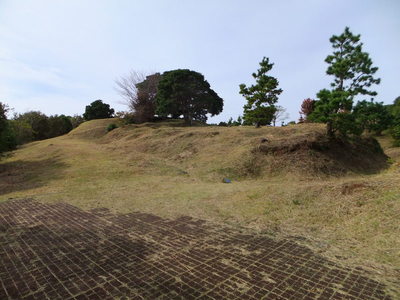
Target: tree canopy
x=353, y=75
x=38, y=121
x=372, y=116
x=7, y=138
x=261, y=97
x=185, y=92
x=98, y=110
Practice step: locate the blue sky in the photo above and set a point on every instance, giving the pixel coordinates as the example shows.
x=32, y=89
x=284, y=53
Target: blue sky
x=58, y=56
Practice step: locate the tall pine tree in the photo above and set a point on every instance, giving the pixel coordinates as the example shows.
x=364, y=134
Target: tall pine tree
x=353, y=75
x=261, y=97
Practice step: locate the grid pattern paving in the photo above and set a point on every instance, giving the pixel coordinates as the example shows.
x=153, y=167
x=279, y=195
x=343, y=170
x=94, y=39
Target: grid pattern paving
x=58, y=251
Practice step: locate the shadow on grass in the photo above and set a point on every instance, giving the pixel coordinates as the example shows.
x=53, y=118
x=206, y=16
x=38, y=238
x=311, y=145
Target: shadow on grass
x=24, y=175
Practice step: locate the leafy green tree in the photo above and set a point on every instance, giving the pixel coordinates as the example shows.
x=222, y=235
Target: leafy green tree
x=353, y=75
x=261, y=97
x=185, y=92
x=22, y=131
x=7, y=137
x=3, y=116
x=38, y=121
x=34, y=125
x=98, y=110
x=58, y=125
x=372, y=116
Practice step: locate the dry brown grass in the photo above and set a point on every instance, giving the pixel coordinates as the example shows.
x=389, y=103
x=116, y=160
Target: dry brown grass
x=170, y=170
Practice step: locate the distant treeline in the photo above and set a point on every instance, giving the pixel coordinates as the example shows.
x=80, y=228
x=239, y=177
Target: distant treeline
x=187, y=94
x=35, y=125
x=32, y=126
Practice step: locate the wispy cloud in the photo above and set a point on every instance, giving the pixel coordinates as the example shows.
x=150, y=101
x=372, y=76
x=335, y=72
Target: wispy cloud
x=58, y=56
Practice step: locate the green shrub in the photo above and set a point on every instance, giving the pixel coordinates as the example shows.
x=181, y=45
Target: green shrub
x=111, y=126
x=395, y=131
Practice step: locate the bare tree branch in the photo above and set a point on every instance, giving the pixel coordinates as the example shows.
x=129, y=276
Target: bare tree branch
x=126, y=86
x=280, y=115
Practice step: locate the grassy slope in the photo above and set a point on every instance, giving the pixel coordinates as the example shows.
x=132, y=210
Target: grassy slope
x=171, y=170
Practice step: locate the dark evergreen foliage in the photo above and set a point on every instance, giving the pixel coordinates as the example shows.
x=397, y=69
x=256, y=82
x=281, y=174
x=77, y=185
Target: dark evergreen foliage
x=58, y=125
x=372, y=116
x=7, y=137
x=38, y=121
x=353, y=75
x=185, y=92
x=261, y=97
x=98, y=110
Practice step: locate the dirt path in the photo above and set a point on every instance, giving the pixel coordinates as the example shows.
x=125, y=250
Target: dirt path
x=57, y=251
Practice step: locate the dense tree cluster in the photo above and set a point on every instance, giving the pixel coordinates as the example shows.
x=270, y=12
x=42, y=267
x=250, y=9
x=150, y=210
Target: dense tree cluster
x=174, y=93
x=31, y=126
x=35, y=125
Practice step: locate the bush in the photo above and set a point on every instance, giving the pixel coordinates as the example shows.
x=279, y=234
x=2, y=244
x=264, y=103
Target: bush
x=372, y=116
x=111, y=126
x=395, y=131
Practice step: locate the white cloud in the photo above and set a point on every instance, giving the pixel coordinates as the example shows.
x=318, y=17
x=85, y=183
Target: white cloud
x=58, y=56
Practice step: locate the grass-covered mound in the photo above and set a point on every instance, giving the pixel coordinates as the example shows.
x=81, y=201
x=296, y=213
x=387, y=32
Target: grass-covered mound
x=341, y=198
x=241, y=152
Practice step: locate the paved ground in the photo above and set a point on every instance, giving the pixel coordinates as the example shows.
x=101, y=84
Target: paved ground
x=61, y=252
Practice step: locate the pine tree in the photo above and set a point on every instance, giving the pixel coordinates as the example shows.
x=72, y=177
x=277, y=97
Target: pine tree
x=353, y=75
x=261, y=97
